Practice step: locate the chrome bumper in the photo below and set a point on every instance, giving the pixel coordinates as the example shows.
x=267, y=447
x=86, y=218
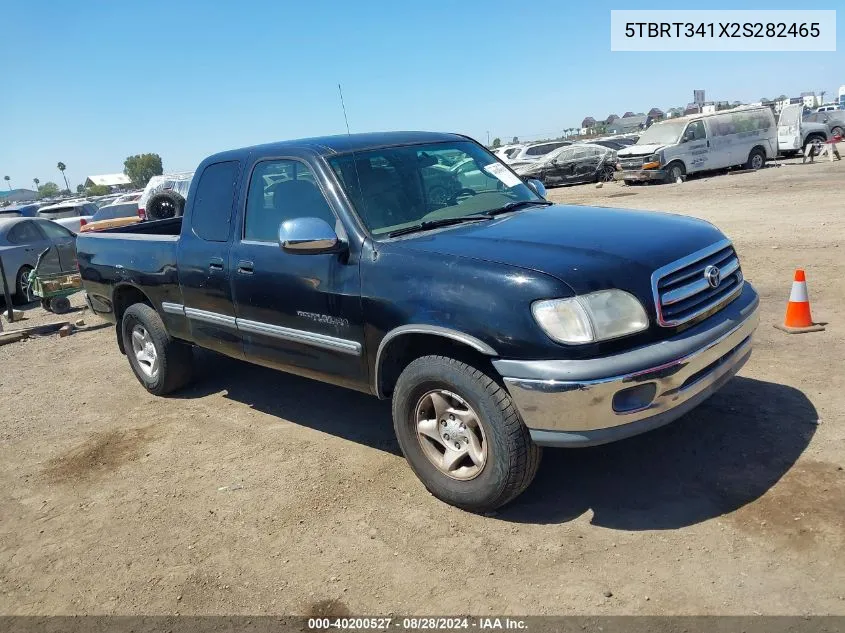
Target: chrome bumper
x=564, y=402
x=641, y=175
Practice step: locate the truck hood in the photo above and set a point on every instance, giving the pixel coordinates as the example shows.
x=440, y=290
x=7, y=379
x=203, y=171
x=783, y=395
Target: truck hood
x=587, y=248
x=639, y=150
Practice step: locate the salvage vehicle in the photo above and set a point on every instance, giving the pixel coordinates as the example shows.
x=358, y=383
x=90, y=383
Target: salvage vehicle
x=795, y=134
x=584, y=162
x=71, y=214
x=164, y=196
x=834, y=119
x=535, y=151
x=495, y=321
x=22, y=240
x=697, y=143
x=111, y=216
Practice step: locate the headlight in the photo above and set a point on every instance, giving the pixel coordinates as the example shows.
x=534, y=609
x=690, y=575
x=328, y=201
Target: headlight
x=589, y=318
x=652, y=162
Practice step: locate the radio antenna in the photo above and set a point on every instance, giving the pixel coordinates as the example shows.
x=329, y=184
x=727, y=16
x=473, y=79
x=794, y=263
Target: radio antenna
x=340, y=91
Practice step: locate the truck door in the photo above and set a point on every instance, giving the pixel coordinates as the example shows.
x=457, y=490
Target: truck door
x=203, y=259
x=696, y=147
x=297, y=312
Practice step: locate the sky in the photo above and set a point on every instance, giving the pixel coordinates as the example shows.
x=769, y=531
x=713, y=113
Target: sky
x=90, y=82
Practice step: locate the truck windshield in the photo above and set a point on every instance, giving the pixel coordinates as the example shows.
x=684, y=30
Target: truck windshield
x=667, y=133
x=397, y=187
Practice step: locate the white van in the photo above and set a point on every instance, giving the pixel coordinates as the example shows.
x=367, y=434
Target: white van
x=794, y=133
x=700, y=142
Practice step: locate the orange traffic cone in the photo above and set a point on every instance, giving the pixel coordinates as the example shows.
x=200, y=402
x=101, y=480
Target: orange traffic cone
x=798, y=318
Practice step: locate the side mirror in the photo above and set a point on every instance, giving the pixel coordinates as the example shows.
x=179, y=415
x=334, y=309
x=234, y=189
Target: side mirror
x=538, y=187
x=308, y=236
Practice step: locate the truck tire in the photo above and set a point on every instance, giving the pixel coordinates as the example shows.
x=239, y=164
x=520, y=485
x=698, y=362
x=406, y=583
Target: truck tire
x=815, y=139
x=59, y=305
x=675, y=170
x=756, y=159
x=160, y=363
x=462, y=435
x=837, y=130
x=164, y=205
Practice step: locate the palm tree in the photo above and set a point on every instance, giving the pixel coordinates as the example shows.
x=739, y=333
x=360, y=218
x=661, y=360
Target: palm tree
x=37, y=182
x=61, y=167
x=8, y=182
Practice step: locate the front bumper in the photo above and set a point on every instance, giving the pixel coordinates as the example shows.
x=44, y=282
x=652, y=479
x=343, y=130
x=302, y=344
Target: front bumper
x=641, y=175
x=601, y=400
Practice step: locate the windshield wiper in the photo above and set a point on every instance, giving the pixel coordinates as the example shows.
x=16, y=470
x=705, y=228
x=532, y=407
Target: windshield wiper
x=513, y=206
x=433, y=224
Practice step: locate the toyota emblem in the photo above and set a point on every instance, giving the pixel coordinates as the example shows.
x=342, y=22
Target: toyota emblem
x=713, y=276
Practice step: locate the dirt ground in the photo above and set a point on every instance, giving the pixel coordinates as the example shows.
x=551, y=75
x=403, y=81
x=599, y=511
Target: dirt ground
x=256, y=492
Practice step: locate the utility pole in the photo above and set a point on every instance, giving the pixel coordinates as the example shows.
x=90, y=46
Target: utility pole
x=488, y=138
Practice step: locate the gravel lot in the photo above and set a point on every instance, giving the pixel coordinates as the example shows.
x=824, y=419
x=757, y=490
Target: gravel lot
x=256, y=492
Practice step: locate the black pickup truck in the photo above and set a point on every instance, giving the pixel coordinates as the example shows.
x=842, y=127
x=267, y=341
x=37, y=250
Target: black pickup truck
x=416, y=266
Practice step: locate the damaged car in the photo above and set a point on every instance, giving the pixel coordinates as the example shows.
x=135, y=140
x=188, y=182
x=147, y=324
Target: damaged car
x=573, y=164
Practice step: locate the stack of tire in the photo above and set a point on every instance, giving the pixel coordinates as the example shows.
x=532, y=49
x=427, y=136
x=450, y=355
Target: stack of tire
x=164, y=205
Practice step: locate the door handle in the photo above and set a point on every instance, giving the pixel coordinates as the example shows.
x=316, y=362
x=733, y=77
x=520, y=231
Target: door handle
x=216, y=263
x=246, y=267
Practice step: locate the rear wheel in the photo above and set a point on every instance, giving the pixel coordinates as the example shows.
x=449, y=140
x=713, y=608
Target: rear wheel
x=160, y=363
x=607, y=173
x=462, y=435
x=23, y=289
x=756, y=159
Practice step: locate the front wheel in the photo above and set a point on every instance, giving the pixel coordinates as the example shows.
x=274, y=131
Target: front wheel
x=607, y=174
x=837, y=131
x=462, y=435
x=674, y=171
x=160, y=363
x=23, y=289
x=817, y=142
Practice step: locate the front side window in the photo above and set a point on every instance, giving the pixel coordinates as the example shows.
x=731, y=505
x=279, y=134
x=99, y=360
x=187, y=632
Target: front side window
x=55, y=231
x=695, y=131
x=214, y=200
x=281, y=190
x=397, y=187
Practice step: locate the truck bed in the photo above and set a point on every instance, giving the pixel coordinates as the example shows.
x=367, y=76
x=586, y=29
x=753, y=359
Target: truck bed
x=141, y=255
x=172, y=226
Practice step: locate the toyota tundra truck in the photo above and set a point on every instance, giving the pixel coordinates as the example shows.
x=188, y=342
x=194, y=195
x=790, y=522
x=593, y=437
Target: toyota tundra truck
x=497, y=322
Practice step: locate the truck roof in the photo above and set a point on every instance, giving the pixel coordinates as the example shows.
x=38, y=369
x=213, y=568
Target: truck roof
x=343, y=143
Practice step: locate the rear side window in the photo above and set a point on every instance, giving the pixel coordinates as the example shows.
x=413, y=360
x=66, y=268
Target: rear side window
x=211, y=218
x=24, y=233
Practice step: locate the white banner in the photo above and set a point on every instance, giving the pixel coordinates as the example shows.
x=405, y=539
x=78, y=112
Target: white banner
x=722, y=30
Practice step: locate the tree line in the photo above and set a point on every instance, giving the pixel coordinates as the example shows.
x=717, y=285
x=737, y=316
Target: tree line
x=139, y=168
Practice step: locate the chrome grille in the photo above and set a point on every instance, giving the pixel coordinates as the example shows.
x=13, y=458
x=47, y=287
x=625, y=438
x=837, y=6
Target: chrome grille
x=630, y=163
x=682, y=291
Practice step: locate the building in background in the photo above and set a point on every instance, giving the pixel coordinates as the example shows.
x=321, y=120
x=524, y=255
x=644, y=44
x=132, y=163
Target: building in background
x=17, y=195
x=627, y=124
x=115, y=182
x=811, y=100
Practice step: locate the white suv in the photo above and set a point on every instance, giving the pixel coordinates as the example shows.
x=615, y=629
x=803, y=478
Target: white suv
x=531, y=153
x=71, y=214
